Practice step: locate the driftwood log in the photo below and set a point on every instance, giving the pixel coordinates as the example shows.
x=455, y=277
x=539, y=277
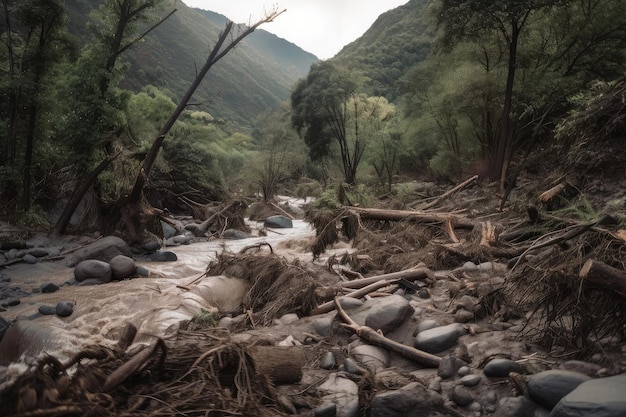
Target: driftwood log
x=371, y=284
x=281, y=364
x=372, y=336
x=604, y=276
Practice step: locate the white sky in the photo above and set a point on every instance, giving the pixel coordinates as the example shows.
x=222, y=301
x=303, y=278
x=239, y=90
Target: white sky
x=321, y=27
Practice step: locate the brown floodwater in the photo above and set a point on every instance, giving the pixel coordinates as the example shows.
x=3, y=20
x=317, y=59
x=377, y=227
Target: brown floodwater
x=157, y=305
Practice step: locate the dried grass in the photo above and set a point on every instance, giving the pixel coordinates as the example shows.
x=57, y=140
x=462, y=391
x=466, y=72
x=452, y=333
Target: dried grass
x=569, y=312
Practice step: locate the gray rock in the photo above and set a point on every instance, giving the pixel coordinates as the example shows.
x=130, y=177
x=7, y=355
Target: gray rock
x=151, y=246
x=38, y=252
x=278, y=222
x=471, y=380
x=327, y=409
x=344, y=393
x=4, y=326
x=234, y=234
x=439, y=338
x=47, y=310
x=163, y=256
x=515, y=407
x=93, y=268
x=448, y=366
x=328, y=361
x=168, y=230
x=122, y=267
x=548, y=387
x=142, y=271
x=349, y=303
x=461, y=396
x=463, y=316
x=412, y=400
x=103, y=250
x=372, y=357
x=426, y=325
x=12, y=302
x=50, y=287
x=181, y=239
x=324, y=325
x=30, y=259
x=500, y=368
x=352, y=367
x=463, y=370
x=383, y=313
x=587, y=368
x=64, y=309
x=601, y=397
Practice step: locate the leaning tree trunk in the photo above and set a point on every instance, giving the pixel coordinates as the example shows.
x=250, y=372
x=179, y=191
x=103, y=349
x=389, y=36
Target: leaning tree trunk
x=131, y=216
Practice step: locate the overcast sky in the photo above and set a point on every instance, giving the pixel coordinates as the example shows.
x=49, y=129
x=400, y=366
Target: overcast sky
x=321, y=27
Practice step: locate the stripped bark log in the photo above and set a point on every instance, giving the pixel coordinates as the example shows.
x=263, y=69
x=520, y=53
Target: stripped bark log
x=604, y=276
x=370, y=335
x=371, y=284
x=448, y=193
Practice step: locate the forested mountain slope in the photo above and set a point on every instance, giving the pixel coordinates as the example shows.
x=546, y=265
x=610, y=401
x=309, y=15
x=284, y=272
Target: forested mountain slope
x=396, y=41
x=255, y=77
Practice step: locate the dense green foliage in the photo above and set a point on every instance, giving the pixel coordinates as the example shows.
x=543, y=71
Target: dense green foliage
x=440, y=87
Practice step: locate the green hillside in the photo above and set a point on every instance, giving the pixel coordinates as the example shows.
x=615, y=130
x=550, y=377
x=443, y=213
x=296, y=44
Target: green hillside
x=255, y=77
x=396, y=41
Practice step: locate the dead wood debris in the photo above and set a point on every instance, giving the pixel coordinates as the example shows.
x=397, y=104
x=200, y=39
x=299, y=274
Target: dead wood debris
x=198, y=374
x=277, y=287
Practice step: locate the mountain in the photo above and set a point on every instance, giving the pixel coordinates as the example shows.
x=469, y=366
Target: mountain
x=254, y=77
x=395, y=42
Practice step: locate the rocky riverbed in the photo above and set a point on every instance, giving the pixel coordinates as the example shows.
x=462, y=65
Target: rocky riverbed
x=59, y=297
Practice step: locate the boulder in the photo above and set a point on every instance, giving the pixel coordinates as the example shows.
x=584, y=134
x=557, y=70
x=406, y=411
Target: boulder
x=93, y=268
x=278, y=222
x=382, y=313
x=412, y=400
x=440, y=338
x=103, y=250
x=64, y=309
x=548, y=387
x=122, y=267
x=342, y=392
x=601, y=397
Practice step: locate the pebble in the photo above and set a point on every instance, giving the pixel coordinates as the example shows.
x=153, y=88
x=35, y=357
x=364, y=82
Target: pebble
x=471, y=380
x=328, y=361
x=448, y=366
x=92, y=268
x=11, y=302
x=163, y=256
x=461, y=396
x=411, y=400
x=373, y=357
x=49, y=288
x=463, y=370
x=122, y=267
x=38, y=252
x=500, y=368
x=352, y=367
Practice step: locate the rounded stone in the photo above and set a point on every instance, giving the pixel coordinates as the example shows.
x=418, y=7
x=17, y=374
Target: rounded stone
x=38, y=252
x=471, y=380
x=352, y=367
x=49, y=288
x=501, y=367
x=328, y=361
x=11, y=302
x=548, y=387
x=163, y=256
x=461, y=396
x=439, y=338
x=64, y=309
x=599, y=397
x=122, y=267
x=29, y=259
x=92, y=268
x=47, y=310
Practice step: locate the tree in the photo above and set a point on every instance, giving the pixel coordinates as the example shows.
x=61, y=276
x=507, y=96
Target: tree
x=480, y=19
x=96, y=103
x=130, y=216
x=281, y=154
x=321, y=112
x=36, y=39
